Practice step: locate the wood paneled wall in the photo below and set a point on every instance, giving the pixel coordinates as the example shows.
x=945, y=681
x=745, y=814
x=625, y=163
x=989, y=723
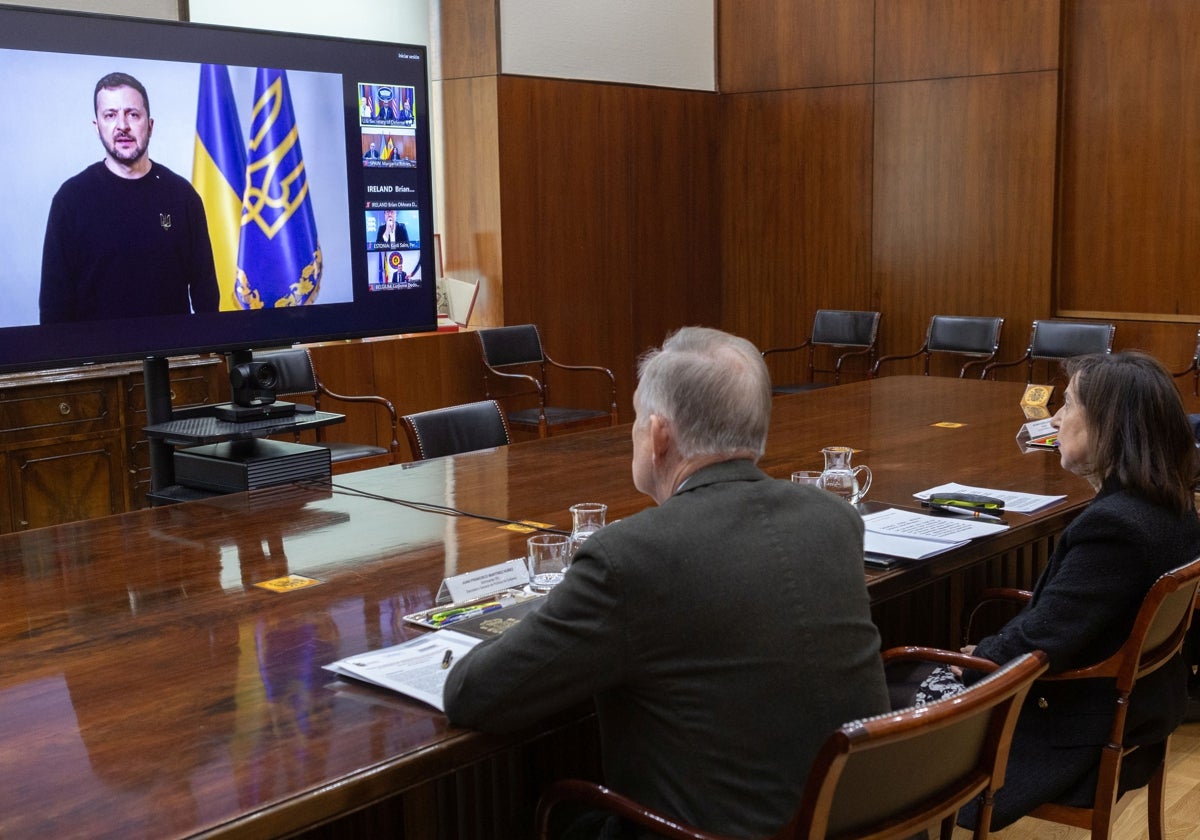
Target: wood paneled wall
x=928, y=188
x=1026, y=158
x=1129, y=226
x=610, y=218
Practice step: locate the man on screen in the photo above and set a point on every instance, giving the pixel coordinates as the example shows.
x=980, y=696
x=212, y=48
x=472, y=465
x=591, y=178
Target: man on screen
x=126, y=236
x=390, y=232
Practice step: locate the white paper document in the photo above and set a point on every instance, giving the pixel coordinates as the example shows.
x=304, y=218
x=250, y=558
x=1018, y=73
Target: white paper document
x=915, y=536
x=1013, y=502
x=417, y=668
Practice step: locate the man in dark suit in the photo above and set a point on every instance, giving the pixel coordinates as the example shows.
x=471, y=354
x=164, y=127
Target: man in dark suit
x=724, y=634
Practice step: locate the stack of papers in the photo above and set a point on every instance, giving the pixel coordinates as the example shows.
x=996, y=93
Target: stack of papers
x=915, y=536
x=417, y=668
x=1013, y=502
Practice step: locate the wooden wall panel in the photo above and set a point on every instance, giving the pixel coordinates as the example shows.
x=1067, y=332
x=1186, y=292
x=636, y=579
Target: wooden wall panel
x=471, y=170
x=416, y=372
x=924, y=39
x=466, y=38
x=963, y=203
x=783, y=44
x=610, y=218
x=1130, y=218
x=796, y=199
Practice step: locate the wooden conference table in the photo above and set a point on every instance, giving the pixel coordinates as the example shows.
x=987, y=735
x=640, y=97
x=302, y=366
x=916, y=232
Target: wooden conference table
x=150, y=689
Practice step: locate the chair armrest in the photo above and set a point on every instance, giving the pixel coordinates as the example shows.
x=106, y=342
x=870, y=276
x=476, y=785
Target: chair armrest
x=537, y=385
x=894, y=358
x=992, y=595
x=1005, y=593
x=916, y=653
x=988, y=367
x=801, y=346
x=361, y=398
x=866, y=351
x=382, y=402
x=596, y=796
x=612, y=379
x=983, y=363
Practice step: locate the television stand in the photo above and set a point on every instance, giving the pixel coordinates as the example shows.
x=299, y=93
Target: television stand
x=168, y=429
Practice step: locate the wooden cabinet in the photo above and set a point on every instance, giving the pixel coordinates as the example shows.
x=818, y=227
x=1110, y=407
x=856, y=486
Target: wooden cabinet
x=71, y=441
x=61, y=434
x=71, y=445
x=65, y=481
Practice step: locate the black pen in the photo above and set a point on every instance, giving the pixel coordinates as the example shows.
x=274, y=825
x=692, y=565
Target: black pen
x=447, y=659
x=974, y=514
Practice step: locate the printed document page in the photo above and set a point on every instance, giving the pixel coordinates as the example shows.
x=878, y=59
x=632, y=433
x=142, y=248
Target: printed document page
x=417, y=668
x=1013, y=502
x=915, y=536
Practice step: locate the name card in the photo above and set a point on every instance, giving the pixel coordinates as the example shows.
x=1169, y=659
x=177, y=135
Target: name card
x=483, y=582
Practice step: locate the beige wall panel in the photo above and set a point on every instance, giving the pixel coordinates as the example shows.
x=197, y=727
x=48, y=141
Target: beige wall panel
x=471, y=237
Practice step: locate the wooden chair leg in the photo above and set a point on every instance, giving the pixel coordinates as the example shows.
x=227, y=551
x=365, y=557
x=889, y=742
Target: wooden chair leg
x=1155, y=802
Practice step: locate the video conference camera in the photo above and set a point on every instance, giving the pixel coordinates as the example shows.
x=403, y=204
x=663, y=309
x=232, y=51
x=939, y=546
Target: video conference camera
x=253, y=385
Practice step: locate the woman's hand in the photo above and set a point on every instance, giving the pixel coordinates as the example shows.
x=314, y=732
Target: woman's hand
x=956, y=670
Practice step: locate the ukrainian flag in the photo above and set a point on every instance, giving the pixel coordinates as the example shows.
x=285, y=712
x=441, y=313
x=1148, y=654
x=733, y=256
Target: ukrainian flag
x=279, y=263
x=219, y=172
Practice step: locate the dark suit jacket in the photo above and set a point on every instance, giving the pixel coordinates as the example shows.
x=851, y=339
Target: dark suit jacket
x=1082, y=610
x=723, y=634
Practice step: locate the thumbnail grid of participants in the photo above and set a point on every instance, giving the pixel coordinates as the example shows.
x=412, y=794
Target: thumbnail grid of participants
x=387, y=122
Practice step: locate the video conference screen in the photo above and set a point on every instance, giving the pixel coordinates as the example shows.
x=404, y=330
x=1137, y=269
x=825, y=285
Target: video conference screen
x=309, y=156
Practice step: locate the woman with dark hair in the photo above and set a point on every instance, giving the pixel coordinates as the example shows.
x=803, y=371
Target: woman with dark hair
x=1122, y=427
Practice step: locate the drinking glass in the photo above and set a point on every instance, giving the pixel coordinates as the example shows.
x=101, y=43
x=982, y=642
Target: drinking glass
x=548, y=555
x=586, y=519
x=810, y=477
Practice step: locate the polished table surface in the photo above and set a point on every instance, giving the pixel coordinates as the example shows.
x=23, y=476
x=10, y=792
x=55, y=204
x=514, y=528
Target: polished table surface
x=150, y=689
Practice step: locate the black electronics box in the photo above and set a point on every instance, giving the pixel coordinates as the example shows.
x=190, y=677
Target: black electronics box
x=234, y=466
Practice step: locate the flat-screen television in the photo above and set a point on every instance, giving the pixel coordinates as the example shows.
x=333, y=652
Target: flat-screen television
x=310, y=156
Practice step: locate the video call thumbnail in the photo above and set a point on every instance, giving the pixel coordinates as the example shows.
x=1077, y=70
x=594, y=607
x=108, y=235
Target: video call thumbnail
x=386, y=105
x=394, y=270
x=389, y=149
x=390, y=228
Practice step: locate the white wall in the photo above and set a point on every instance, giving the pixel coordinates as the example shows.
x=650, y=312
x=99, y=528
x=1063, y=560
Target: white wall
x=664, y=43
x=163, y=9
x=402, y=21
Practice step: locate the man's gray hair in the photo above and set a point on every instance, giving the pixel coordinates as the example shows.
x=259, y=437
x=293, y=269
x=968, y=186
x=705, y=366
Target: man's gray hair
x=713, y=387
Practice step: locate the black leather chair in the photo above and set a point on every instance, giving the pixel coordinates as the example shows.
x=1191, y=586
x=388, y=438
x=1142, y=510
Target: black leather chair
x=298, y=377
x=1053, y=341
x=847, y=332
x=1158, y=634
x=456, y=429
x=888, y=776
x=515, y=357
x=956, y=335
x=1194, y=369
